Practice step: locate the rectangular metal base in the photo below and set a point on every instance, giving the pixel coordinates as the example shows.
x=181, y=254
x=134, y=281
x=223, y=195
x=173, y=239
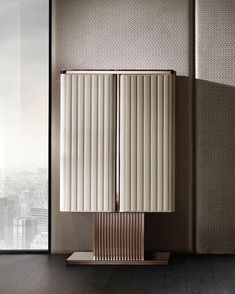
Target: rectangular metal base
x=86, y=258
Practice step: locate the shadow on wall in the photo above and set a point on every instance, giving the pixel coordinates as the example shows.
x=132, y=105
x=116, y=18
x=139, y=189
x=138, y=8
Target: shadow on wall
x=215, y=173
x=215, y=167
x=162, y=228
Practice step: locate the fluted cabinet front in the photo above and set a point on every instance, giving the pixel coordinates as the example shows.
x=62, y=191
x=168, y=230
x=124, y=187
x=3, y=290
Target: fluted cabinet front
x=147, y=124
x=88, y=142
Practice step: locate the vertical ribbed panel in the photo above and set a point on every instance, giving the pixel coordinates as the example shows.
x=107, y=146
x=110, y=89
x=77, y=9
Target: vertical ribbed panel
x=88, y=142
x=147, y=123
x=118, y=236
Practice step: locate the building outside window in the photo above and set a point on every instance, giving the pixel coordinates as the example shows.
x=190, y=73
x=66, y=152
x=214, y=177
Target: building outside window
x=24, y=59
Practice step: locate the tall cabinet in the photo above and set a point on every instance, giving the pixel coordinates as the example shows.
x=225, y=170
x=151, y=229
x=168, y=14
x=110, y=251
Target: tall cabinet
x=117, y=157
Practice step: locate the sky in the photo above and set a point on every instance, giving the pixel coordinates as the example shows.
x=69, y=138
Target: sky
x=23, y=83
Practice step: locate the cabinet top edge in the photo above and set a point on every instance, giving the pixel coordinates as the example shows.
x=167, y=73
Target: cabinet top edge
x=117, y=71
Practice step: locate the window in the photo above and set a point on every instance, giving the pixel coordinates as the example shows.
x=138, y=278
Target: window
x=24, y=76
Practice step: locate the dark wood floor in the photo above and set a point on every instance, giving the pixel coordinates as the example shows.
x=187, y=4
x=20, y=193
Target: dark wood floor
x=185, y=274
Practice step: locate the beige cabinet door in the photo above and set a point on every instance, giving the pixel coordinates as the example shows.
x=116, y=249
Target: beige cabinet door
x=87, y=142
x=147, y=148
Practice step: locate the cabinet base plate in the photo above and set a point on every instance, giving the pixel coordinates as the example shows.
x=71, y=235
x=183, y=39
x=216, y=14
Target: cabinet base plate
x=86, y=258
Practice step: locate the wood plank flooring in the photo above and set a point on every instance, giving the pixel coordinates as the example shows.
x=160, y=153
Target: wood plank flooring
x=23, y=274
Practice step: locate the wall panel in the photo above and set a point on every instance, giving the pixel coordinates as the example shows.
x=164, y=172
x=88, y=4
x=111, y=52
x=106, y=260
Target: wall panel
x=128, y=35
x=215, y=121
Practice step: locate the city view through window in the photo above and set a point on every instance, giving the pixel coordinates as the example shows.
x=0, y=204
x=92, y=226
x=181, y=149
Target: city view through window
x=24, y=125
